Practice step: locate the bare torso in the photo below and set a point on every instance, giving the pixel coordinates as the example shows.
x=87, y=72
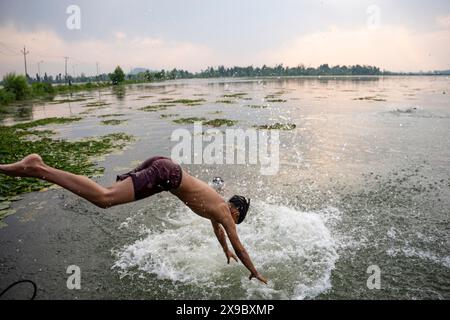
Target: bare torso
x=201, y=198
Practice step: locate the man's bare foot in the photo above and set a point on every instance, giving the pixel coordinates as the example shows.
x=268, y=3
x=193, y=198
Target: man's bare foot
x=27, y=167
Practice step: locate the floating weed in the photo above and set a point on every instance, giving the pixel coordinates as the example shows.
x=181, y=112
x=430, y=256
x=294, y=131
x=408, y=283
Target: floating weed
x=46, y=121
x=97, y=104
x=187, y=102
x=74, y=156
x=67, y=100
x=277, y=126
x=370, y=98
x=156, y=107
x=220, y=122
x=189, y=120
x=234, y=95
x=111, y=115
x=113, y=122
x=257, y=106
x=227, y=101
x=204, y=121
x=275, y=100
x=168, y=115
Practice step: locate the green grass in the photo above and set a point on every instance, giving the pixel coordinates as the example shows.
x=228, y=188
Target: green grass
x=276, y=100
x=277, y=126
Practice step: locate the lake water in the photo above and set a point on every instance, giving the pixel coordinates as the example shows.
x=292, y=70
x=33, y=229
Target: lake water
x=364, y=179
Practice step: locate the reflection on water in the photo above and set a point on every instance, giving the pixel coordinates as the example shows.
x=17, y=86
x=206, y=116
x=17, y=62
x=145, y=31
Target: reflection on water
x=364, y=179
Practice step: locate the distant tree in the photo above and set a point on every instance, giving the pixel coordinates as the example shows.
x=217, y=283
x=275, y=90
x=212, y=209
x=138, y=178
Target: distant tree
x=17, y=85
x=118, y=76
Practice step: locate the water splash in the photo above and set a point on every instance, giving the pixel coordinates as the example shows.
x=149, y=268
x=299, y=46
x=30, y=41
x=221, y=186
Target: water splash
x=294, y=249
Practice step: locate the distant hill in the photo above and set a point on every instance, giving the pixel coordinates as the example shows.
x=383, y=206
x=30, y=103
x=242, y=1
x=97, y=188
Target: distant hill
x=136, y=71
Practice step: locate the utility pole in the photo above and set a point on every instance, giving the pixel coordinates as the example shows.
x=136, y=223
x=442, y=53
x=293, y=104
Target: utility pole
x=97, y=70
x=25, y=52
x=65, y=69
x=74, y=73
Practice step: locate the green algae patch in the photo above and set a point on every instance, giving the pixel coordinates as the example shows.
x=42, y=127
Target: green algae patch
x=276, y=100
x=234, y=95
x=168, y=115
x=206, y=122
x=186, y=102
x=257, y=106
x=67, y=100
x=113, y=122
x=370, y=98
x=111, y=115
x=73, y=156
x=46, y=121
x=226, y=101
x=97, y=104
x=189, y=120
x=156, y=107
x=277, y=126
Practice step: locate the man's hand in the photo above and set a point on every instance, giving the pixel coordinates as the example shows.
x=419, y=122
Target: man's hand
x=259, y=277
x=230, y=255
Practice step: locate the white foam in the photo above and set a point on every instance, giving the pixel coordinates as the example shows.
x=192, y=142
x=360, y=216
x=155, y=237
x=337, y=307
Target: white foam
x=411, y=252
x=295, y=250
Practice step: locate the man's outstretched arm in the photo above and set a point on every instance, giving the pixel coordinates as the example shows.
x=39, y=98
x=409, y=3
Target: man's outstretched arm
x=220, y=234
x=230, y=228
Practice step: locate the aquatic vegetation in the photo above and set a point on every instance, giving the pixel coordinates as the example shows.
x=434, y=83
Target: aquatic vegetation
x=67, y=100
x=257, y=106
x=204, y=121
x=370, y=98
x=187, y=102
x=113, y=122
x=167, y=115
x=111, y=115
x=189, y=120
x=73, y=156
x=227, y=101
x=46, y=121
x=276, y=100
x=277, y=126
x=220, y=122
x=234, y=95
x=156, y=107
x=97, y=104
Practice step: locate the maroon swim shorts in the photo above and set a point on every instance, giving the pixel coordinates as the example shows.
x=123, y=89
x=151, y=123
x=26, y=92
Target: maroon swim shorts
x=153, y=176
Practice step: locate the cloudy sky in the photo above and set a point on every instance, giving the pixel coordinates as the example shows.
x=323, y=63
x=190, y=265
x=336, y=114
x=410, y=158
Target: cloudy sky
x=400, y=35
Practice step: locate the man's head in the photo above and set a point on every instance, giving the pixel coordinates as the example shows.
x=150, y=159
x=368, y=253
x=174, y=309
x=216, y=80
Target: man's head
x=239, y=207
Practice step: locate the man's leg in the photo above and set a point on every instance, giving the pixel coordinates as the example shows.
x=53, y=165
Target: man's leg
x=33, y=166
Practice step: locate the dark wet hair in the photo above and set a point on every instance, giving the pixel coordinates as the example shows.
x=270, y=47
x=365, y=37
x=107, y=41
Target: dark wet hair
x=242, y=204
